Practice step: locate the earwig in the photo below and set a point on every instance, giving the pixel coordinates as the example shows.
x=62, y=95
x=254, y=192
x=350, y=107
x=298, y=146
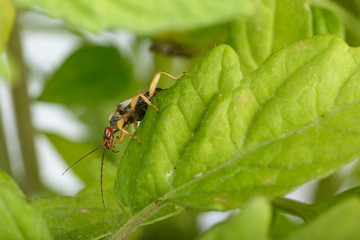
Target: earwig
x=129, y=111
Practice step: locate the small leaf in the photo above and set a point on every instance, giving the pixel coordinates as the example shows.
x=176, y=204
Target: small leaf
x=149, y=17
x=340, y=222
x=90, y=76
x=18, y=219
x=326, y=21
x=254, y=39
x=252, y=223
x=215, y=144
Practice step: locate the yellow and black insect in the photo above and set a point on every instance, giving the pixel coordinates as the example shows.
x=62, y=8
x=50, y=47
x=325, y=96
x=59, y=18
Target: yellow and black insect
x=131, y=110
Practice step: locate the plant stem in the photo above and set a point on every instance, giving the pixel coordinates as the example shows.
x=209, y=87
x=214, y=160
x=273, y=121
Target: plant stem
x=4, y=155
x=303, y=210
x=31, y=181
x=135, y=221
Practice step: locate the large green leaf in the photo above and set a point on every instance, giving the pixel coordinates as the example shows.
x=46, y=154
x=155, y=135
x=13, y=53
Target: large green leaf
x=143, y=17
x=18, y=219
x=254, y=39
x=252, y=223
x=218, y=139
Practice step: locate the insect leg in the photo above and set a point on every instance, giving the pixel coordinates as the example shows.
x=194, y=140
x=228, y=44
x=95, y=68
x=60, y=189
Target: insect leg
x=135, y=99
x=122, y=128
x=123, y=131
x=121, y=138
x=156, y=78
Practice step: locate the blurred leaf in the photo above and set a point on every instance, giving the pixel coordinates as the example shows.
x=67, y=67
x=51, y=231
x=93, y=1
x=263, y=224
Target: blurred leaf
x=252, y=223
x=180, y=227
x=7, y=17
x=282, y=226
x=328, y=203
x=214, y=145
x=352, y=6
x=340, y=222
x=191, y=42
x=18, y=219
x=82, y=216
x=149, y=17
x=326, y=21
x=92, y=75
x=294, y=15
x=350, y=19
x=267, y=30
x=328, y=186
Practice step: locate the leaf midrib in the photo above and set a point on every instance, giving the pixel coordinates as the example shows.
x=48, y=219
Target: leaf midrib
x=243, y=152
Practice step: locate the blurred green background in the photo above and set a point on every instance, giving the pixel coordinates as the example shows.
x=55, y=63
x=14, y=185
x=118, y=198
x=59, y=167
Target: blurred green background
x=65, y=65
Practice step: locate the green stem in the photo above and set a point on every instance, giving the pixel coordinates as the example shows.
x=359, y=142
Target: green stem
x=31, y=180
x=135, y=221
x=303, y=210
x=4, y=156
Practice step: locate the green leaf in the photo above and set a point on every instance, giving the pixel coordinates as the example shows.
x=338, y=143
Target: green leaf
x=190, y=43
x=326, y=21
x=220, y=68
x=282, y=226
x=18, y=219
x=252, y=223
x=350, y=19
x=149, y=17
x=180, y=227
x=215, y=144
x=341, y=222
x=92, y=75
x=254, y=39
x=7, y=17
x=83, y=216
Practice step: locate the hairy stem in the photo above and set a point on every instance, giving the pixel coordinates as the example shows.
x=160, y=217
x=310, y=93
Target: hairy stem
x=135, y=221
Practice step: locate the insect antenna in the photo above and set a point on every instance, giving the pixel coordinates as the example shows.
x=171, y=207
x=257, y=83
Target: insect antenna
x=82, y=158
x=101, y=178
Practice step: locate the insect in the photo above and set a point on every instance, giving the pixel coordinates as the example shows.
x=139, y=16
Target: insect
x=131, y=110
